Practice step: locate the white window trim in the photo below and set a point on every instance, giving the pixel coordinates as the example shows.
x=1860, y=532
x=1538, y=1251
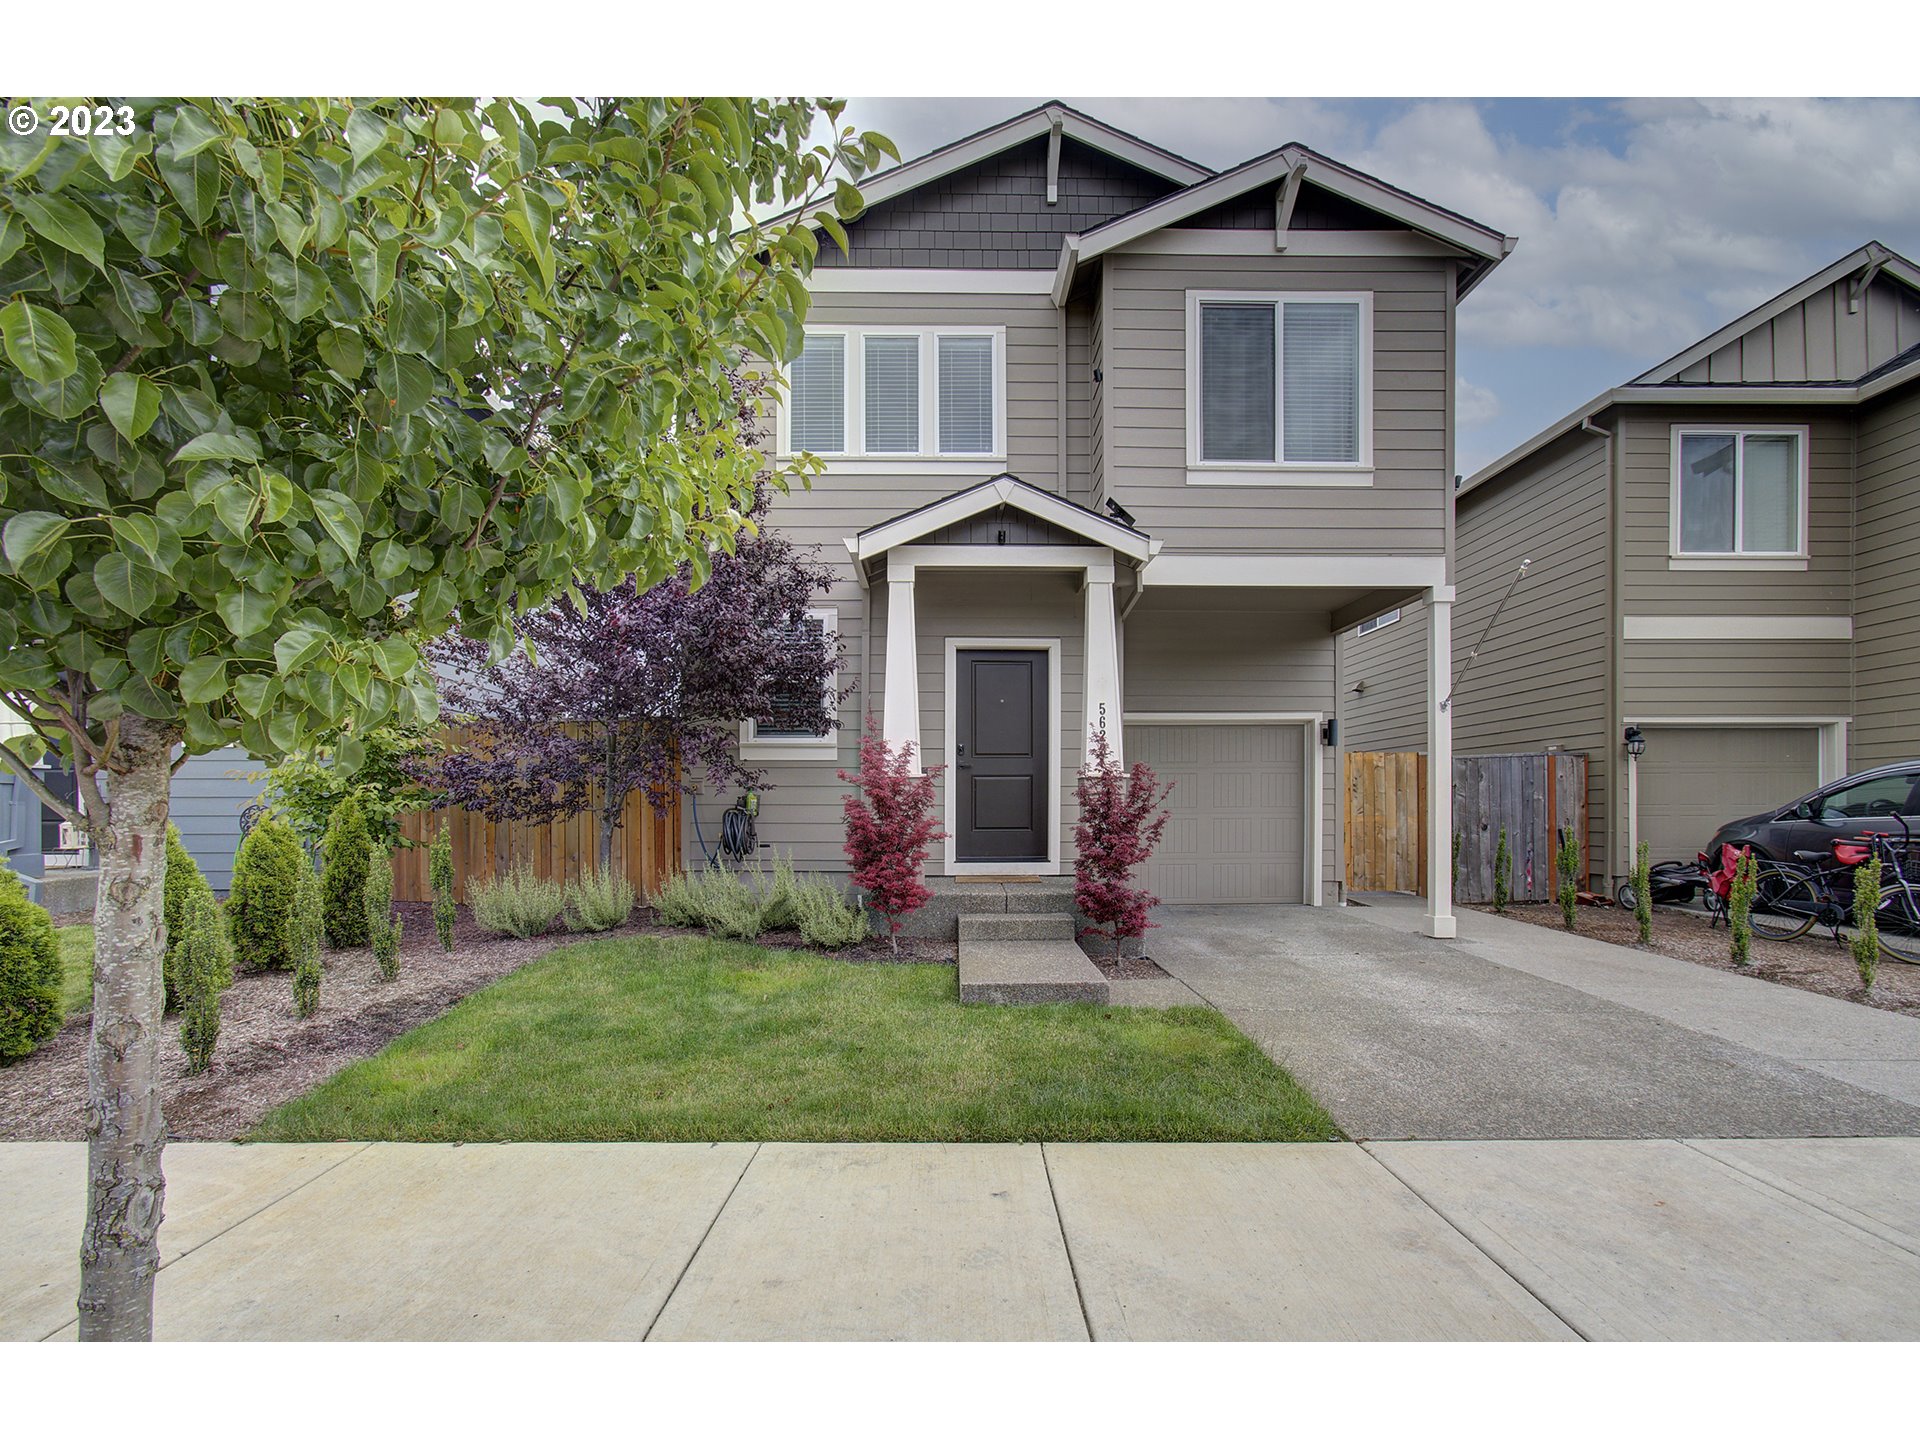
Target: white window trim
x=1278, y=472
x=754, y=746
x=854, y=376
x=1377, y=622
x=1738, y=559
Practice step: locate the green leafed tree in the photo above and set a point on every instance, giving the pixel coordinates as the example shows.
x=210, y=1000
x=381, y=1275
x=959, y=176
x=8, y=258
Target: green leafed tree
x=286, y=385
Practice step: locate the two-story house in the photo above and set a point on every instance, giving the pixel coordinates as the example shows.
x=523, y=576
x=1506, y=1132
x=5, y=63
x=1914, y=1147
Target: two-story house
x=1114, y=440
x=1725, y=576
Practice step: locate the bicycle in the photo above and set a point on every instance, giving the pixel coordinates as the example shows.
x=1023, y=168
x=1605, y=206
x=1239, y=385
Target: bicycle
x=1791, y=899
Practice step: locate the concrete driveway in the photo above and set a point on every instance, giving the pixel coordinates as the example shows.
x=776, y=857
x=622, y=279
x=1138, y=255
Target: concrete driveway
x=1517, y=1032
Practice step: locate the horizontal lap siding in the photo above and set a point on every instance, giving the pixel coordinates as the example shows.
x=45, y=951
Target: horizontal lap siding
x=1754, y=678
x=1081, y=393
x=1224, y=652
x=1390, y=714
x=209, y=793
x=1886, y=633
x=1145, y=460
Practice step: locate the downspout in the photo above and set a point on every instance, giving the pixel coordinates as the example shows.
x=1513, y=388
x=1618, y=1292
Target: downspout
x=1611, y=746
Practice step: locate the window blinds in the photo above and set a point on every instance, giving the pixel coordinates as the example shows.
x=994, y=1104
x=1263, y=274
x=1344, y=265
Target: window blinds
x=1321, y=346
x=1236, y=382
x=893, y=394
x=817, y=396
x=966, y=394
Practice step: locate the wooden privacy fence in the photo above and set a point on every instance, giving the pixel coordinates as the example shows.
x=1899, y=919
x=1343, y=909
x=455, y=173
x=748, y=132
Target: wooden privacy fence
x=1386, y=825
x=646, y=847
x=1531, y=796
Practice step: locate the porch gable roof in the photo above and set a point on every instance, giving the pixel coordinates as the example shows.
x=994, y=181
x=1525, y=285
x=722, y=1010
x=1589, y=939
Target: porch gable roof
x=1004, y=489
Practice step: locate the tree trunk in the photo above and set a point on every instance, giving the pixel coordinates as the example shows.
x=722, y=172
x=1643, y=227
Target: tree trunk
x=609, y=822
x=120, y=1252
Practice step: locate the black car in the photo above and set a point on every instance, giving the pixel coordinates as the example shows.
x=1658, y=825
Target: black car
x=1885, y=800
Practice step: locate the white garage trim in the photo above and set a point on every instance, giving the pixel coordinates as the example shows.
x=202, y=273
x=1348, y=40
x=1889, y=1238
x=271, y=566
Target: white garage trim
x=1051, y=865
x=1315, y=808
x=1833, y=749
x=1736, y=627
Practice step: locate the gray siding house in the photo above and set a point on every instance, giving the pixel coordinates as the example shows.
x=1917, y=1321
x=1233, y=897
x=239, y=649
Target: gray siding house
x=1112, y=439
x=1726, y=557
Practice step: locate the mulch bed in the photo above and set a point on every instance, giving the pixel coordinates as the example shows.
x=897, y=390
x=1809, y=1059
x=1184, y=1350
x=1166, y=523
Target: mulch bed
x=1128, y=967
x=267, y=1056
x=1813, y=962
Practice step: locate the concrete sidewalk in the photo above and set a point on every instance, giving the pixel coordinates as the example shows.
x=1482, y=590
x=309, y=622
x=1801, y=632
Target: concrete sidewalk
x=1519, y=1032
x=1803, y=1239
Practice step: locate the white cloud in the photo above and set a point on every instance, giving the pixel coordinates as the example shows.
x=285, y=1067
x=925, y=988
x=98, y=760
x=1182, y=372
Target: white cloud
x=1473, y=404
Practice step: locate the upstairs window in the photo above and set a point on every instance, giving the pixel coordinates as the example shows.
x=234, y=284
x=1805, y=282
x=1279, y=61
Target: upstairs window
x=1280, y=382
x=1739, y=492
x=892, y=393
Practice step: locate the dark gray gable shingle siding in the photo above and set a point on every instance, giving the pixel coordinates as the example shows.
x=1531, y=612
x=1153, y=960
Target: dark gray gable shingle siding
x=1316, y=209
x=994, y=215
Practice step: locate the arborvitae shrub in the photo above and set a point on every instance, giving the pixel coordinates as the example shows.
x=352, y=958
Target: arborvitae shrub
x=1643, y=892
x=307, y=925
x=1746, y=872
x=1502, y=873
x=206, y=969
x=1866, y=921
x=343, y=876
x=30, y=1008
x=383, y=930
x=266, y=872
x=1569, y=866
x=183, y=881
x=440, y=872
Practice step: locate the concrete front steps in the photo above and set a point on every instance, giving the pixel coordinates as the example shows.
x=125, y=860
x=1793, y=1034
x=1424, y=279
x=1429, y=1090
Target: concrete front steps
x=1025, y=959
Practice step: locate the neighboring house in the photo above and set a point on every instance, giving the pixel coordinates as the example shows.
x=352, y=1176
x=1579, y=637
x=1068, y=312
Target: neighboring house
x=1112, y=438
x=1726, y=558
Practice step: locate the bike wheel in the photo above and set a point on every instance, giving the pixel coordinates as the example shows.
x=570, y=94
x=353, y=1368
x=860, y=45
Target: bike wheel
x=1785, y=906
x=1898, y=921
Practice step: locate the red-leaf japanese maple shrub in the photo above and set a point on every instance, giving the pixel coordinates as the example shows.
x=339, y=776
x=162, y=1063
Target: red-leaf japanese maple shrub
x=890, y=824
x=1117, y=833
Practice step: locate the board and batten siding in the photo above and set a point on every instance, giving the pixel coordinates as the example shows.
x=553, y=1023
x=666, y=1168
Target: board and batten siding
x=1221, y=652
x=1820, y=339
x=1886, y=595
x=1749, y=678
x=1143, y=458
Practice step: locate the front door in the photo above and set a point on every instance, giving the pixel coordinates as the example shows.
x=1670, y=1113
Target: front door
x=1001, y=765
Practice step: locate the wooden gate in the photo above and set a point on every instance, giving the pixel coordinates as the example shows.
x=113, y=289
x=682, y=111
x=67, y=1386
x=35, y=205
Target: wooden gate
x=1531, y=796
x=1386, y=808
x=646, y=847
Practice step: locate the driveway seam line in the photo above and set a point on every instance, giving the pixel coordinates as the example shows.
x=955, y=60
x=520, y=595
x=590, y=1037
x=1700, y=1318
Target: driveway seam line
x=359, y=1150
x=1414, y=1190
x=700, y=1244
x=1053, y=1197
x=1826, y=1205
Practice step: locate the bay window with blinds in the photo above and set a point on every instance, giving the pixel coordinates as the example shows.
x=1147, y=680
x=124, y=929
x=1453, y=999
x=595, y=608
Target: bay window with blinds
x=893, y=393
x=1279, y=388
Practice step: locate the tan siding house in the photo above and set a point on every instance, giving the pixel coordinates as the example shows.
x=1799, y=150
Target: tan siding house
x=1725, y=559
x=1114, y=441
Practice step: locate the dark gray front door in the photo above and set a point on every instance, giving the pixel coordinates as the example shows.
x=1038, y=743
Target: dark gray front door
x=1000, y=760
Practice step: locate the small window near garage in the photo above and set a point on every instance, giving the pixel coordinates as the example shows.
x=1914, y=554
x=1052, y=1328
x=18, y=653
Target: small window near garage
x=1739, y=492
x=791, y=706
x=1367, y=627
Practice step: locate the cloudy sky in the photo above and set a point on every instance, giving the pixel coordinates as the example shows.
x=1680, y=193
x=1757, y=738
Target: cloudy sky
x=1643, y=224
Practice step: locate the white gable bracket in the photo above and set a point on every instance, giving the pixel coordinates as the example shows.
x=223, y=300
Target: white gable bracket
x=1285, y=199
x=1864, y=280
x=1055, y=120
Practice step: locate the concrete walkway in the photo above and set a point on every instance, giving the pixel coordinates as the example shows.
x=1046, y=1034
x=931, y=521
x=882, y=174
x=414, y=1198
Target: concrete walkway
x=1502, y=1240
x=1519, y=1032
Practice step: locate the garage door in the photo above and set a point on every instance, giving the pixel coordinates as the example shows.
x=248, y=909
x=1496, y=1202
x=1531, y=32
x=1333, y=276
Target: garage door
x=1692, y=780
x=1238, y=823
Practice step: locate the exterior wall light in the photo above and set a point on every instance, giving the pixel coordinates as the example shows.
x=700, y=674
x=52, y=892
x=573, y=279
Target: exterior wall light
x=1636, y=741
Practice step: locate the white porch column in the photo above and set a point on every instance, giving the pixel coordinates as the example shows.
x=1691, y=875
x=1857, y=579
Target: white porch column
x=1439, y=922
x=1103, y=661
x=900, y=715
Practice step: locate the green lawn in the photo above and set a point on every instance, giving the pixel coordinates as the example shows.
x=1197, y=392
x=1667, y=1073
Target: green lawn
x=76, y=963
x=696, y=1039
